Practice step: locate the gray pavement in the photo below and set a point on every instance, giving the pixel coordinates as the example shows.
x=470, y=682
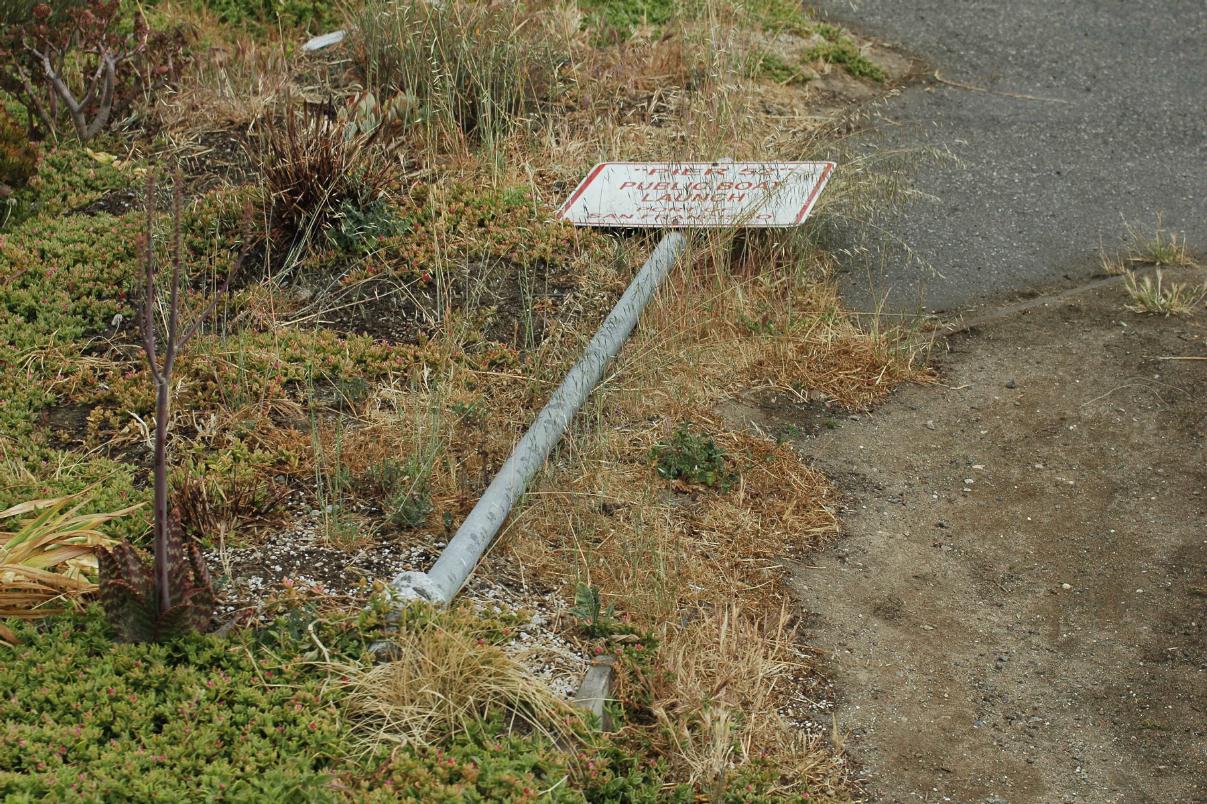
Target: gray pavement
x=1039, y=185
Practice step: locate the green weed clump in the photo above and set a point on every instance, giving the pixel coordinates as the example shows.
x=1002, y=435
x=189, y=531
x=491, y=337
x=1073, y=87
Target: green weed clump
x=693, y=457
x=404, y=488
x=358, y=226
x=780, y=16
x=779, y=70
x=842, y=50
x=623, y=17
x=597, y=620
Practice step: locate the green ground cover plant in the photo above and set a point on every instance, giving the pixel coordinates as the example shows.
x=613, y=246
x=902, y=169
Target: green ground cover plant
x=259, y=716
x=199, y=717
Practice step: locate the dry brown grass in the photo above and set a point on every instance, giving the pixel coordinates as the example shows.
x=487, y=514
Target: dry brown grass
x=727, y=673
x=1152, y=294
x=444, y=675
x=1163, y=248
x=232, y=87
x=667, y=554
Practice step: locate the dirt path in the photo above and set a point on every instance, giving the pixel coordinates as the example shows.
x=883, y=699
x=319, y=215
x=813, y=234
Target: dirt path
x=1016, y=611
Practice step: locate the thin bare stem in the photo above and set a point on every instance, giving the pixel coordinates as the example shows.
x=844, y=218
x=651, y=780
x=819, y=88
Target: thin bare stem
x=174, y=304
x=148, y=328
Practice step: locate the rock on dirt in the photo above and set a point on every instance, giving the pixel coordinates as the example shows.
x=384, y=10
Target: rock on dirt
x=991, y=642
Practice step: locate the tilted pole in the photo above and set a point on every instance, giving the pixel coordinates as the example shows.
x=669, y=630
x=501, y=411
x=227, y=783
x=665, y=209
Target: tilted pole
x=457, y=561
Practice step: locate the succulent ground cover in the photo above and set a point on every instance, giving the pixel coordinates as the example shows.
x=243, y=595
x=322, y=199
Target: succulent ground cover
x=404, y=306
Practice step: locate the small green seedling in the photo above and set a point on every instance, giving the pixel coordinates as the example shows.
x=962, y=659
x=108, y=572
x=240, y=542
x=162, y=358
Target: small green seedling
x=588, y=607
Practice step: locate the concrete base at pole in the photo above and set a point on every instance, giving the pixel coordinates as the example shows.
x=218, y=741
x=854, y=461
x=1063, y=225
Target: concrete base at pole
x=411, y=587
x=596, y=690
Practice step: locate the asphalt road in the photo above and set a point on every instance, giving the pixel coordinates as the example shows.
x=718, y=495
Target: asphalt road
x=1039, y=185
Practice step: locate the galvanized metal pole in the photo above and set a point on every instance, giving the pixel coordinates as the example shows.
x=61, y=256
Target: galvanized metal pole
x=463, y=552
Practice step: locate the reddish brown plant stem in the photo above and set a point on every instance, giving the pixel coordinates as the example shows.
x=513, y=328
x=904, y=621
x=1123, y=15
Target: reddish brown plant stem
x=161, y=375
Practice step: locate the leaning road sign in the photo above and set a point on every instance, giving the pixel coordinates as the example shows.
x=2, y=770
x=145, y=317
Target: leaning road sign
x=697, y=194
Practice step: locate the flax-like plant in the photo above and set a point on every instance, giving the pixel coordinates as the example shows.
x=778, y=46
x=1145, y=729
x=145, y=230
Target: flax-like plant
x=175, y=593
x=47, y=554
x=312, y=168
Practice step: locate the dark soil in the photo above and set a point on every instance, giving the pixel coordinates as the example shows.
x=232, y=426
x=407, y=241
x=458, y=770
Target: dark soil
x=1016, y=610
x=222, y=156
x=67, y=425
x=114, y=202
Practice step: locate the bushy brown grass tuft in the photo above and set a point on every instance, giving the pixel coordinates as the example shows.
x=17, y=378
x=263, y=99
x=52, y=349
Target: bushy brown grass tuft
x=443, y=676
x=310, y=167
x=1152, y=294
x=1162, y=248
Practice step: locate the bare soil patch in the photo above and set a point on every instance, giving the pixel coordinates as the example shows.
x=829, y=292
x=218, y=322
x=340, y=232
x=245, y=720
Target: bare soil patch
x=1016, y=610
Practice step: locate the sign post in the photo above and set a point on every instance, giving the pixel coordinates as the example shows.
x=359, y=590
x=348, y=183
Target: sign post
x=625, y=195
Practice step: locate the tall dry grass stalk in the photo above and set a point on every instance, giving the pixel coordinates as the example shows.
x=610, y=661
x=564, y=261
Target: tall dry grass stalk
x=463, y=72
x=231, y=84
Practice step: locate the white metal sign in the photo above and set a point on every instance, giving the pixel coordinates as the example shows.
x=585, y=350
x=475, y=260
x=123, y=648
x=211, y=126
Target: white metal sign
x=697, y=194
